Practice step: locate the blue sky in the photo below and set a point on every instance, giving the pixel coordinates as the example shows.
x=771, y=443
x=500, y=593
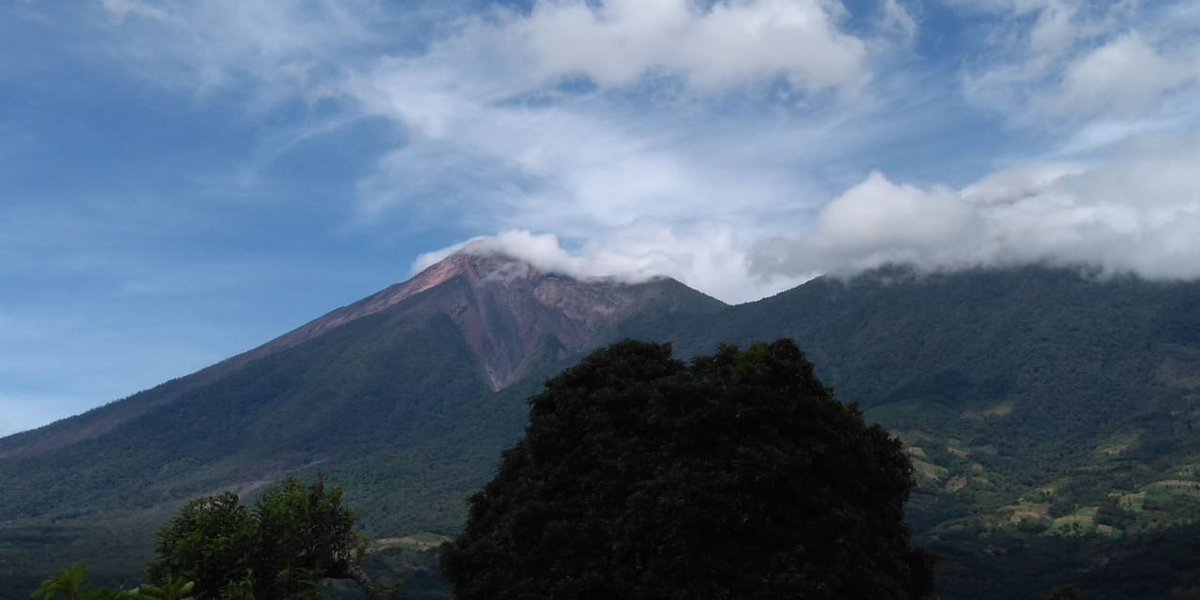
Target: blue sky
x=181, y=181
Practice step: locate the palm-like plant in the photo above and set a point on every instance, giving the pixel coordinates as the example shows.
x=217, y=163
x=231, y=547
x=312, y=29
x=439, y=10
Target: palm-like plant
x=68, y=584
x=171, y=589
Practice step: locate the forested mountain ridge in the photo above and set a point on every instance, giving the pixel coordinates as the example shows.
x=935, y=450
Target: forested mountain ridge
x=1051, y=414
x=1044, y=409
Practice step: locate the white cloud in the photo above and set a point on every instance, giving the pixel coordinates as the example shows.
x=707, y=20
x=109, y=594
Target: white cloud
x=652, y=168
x=288, y=47
x=482, y=108
x=542, y=251
x=897, y=19
x=1055, y=29
x=1064, y=64
x=874, y=223
x=494, y=137
x=620, y=42
x=1137, y=212
x=1014, y=185
x=278, y=47
x=1122, y=76
x=865, y=217
x=578, y=164
x=708, y=258
x=120, y=9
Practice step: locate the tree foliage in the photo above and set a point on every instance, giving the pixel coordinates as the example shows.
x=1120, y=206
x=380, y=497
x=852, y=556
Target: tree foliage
x=69, y=584
x=1067, y=593
x=737, y=476
x=211, y=541
x=294, y=537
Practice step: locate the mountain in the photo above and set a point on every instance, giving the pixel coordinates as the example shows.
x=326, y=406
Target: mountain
x=1051, y=414
x=406, y=398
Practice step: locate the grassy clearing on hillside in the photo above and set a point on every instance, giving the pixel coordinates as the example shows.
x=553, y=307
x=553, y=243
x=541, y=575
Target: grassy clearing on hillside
x=1081, y=523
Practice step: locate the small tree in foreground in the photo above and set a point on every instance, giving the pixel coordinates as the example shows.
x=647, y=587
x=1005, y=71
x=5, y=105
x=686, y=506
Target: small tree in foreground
x=294, y=537
x=739, y=476
x=69, y=585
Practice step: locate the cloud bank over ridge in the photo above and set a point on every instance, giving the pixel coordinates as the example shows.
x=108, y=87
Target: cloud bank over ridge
x=1117, y=191
x=1137, y=214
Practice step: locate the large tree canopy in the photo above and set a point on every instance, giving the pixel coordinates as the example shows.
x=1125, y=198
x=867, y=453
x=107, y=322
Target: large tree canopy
x=738, y=476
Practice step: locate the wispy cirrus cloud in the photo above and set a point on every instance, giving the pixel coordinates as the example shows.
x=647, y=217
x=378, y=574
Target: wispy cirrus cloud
x=622, y=42
x=1066, y=63
x=626, y=128
x=608, y=121
x=274, y=50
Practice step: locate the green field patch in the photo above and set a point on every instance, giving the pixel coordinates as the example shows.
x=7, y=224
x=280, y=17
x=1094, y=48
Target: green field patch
x=1081, y=522
x=1173, y=500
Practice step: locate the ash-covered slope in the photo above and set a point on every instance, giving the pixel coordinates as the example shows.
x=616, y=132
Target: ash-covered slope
x=406, y=397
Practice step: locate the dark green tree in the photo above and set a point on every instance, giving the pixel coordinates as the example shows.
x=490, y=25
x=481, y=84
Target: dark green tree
x=211, y=542
x=739, y=476
x=295, y=537
x=305, y=534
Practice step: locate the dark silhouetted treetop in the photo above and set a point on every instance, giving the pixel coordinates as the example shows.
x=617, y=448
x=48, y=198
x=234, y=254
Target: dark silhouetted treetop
x=737, y=476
